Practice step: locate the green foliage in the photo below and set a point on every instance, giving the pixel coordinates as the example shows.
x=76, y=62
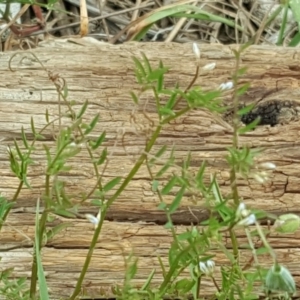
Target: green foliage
x=13, y=289
x=197, y=249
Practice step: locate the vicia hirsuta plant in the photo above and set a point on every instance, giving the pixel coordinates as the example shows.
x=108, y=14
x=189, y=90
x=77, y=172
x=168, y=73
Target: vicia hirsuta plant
x=193, y=250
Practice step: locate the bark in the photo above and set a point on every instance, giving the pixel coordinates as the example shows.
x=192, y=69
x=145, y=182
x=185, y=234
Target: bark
x=103, y=75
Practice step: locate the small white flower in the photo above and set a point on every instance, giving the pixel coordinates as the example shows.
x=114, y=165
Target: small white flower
x=207, y=267
x=268, y=165
x=196, y=50
x=241, y=211
x=226, y=86
x=209, y=67
x=251, y=219
x=94, y=220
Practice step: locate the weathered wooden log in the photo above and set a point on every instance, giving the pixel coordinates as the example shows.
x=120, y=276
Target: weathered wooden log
x=103, y=75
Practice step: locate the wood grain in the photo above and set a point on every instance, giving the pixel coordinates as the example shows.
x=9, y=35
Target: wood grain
x=104, y=76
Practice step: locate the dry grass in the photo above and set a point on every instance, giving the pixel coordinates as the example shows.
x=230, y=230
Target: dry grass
x=117, y=21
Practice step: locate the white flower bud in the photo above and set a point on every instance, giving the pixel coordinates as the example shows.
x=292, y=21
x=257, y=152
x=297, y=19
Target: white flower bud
x=241, y=211
x=196, y=50
x=207, y=267
x=209, y=67
x=226, y=86
x=268, y=165
x=251, y=219
x=94, y=220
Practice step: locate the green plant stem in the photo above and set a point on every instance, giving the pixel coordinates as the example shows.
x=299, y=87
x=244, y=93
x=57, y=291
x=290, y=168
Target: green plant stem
x=170, y=273
x=161, y=200
x=157, y=102
x=198, y=285
x=42, y=228
x=189, y=86
x=131, y=174
x=252, y=247
x=13, y=200
x=133, y=171
x=234, y=242
x=265, y=242
x=215, y=283
x=88, y=257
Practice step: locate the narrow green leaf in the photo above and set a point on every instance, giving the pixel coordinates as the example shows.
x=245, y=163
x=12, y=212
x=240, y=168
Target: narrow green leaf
x=241, y=90
x=82, y=110
x=131, y=270
x=164, y=111
x=200, y=173
x=92, y=125
x=184, y=236
x=57, y=229
x=205, y=16
x=172, y=100
x=146, y=63
x=43, y=288
x=283, y=25
x=241, y=71
x=32, y=126
x=163, y=170
x=18, y=150
x=160, y=80
x=47, y=115
x=163, y=270
x=156, y=74
x=14, y=164
x=159, y=153
x=24, y=138
x=184, y=285
x=111, y=184
x=139, y=70
x=249, y=127
x=65, y=91
x=134, y=97
x=49, y=159
x=97, y=202
x=99, y=141
x=187, y=161
x=295, y=40
x=168, y=187
x=155, y=185
x=25, y=180
x=102, y=158
x=64, y=213
x=176, y=202
x=295, y=7
x=148, y=281
x=246, y=109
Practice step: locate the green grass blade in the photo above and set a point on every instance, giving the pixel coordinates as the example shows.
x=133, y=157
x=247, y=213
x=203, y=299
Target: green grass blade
x=43, y=288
